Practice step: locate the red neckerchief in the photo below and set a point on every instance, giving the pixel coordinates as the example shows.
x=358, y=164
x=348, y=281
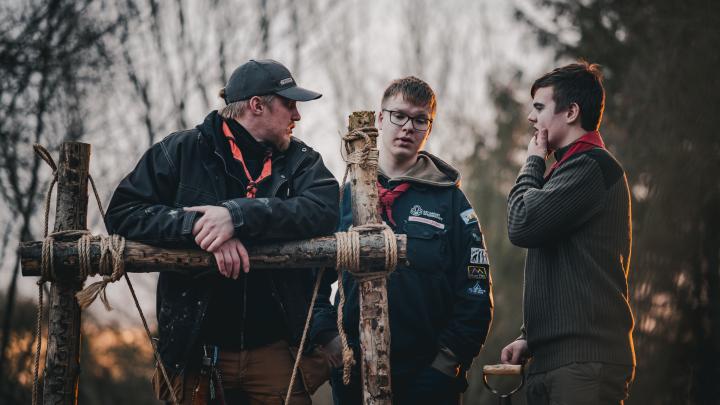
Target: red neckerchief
x=386, y=198
x=586, y=142
x=251, y=188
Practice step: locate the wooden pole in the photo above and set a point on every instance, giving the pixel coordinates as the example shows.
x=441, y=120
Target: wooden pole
x=62, y=361
x=374, y=321
x=141, y=258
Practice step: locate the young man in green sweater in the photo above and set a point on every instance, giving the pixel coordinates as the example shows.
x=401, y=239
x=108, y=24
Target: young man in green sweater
x=575, y=220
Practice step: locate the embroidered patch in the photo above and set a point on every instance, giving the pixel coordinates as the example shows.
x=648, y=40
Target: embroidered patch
x=468, y=216
x=477, y=290
x=417, y=210
x=430, y=222
x=478, y=256
x=476, y=273
x=286, y=81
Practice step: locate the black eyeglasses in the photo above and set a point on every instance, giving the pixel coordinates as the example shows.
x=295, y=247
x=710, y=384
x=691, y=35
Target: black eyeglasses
x=399, y=118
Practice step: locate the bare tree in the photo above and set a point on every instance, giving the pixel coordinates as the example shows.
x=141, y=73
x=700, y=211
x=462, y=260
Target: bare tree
x=49, y=53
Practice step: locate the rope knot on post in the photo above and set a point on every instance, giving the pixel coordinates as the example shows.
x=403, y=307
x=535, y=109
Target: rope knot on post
x=348, y=258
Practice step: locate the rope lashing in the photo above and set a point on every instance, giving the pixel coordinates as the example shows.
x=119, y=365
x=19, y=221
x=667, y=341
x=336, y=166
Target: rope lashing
x=111, y=267
x=348, y=243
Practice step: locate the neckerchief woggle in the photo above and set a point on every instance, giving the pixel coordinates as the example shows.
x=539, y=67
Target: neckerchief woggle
x=251, y=189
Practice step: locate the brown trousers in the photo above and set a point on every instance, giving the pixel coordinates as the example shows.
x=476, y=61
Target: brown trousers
x=252, y=377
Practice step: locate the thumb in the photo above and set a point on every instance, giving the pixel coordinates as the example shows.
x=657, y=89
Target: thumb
x=200, y=208
x=543, y=137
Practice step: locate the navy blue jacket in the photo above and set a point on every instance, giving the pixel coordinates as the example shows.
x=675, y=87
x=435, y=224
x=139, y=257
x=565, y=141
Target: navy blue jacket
x=443, y=297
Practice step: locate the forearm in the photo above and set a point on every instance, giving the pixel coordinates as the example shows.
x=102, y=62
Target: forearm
x=538, y=213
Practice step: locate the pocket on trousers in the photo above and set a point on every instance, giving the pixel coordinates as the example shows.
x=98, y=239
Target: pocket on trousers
x=161, y=389
x=314, y=369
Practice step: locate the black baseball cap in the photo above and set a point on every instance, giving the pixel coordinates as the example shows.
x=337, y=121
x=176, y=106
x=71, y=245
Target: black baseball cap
x=263, y=77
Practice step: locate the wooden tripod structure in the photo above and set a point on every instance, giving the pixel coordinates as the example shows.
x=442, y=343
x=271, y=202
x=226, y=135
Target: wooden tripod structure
x=63, y=344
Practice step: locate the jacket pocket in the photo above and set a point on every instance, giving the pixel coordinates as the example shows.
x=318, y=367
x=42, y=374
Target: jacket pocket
x=426, y=247
x=188, y=196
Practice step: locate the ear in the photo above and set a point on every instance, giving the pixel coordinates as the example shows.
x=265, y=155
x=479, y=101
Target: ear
x=256, y=105
x=572, y=114
x=380, y=118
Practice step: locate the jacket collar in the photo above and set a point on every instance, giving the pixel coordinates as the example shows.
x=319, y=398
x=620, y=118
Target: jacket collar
x=429, y=170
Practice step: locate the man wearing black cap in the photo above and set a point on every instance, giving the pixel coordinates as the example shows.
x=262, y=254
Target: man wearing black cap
x=236, y=179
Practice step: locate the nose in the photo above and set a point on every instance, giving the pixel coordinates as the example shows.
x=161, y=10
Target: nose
x=295, y=114
x=531, y=117
x=408, y=126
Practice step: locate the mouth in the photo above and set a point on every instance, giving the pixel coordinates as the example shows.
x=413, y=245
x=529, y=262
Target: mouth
x=404, y=141
x=290, y=128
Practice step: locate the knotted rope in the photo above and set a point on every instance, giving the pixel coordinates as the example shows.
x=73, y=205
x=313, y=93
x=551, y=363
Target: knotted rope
x=348, y=258
x=348, y=252
x=111, y=266
x=366, y=158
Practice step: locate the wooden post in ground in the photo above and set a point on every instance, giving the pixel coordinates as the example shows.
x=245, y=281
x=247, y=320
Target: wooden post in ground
x=374, y=321
x=62, y=362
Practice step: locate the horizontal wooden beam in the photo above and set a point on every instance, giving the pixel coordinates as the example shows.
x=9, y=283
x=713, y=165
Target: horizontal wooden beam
x=142, y=258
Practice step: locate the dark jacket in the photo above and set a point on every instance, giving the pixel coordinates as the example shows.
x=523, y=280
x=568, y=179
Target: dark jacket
x=187, y=168
x=443, y=297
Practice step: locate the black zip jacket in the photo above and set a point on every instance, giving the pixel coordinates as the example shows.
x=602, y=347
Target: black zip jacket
x=443, y=298
x=188, y=168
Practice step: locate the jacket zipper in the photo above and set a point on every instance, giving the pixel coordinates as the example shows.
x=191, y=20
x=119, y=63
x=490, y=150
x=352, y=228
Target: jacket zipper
x=244, y=294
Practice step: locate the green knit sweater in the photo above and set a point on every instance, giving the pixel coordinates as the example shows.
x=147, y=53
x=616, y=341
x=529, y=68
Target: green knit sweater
x=577, y=229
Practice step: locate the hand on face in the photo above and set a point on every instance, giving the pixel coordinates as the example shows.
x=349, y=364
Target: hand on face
x=213, y=228
x=538, y=145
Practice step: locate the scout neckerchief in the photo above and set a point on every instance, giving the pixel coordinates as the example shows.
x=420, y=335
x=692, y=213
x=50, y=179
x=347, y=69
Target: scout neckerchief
x=586, y=142
x=251, y=188
x=386, y=198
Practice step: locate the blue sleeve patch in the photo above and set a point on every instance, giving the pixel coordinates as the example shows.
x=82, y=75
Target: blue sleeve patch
x=477, y=290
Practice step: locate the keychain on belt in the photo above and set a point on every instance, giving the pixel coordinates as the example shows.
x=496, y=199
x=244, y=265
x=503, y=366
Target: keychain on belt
x=211, y=370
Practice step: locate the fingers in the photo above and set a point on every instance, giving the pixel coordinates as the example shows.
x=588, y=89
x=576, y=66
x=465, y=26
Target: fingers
x=204, y=239
x=516, y=356
x=228, y=262
x=219, y=239
x=220, y=261
x=506, y=355
x=235, y=267
x=244, y=257
x=199, y=208
x=542, y=137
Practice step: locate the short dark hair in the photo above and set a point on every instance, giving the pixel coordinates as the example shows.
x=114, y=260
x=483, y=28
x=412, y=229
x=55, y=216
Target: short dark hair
x=413, y=90
x=579, y=83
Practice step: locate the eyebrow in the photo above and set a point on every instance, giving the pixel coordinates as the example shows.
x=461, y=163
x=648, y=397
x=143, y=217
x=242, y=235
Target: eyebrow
x=421, y=115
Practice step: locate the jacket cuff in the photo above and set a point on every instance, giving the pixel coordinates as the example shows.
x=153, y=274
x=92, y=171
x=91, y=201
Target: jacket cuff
x=236, y=214
x=188, y=222
x=523, y=335
x=446, y=362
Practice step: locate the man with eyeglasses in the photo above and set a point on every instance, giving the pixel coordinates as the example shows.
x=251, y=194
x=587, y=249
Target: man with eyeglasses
x=440, y=302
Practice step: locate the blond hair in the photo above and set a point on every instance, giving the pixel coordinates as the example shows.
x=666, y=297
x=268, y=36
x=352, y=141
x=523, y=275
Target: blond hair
x=236, y=109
